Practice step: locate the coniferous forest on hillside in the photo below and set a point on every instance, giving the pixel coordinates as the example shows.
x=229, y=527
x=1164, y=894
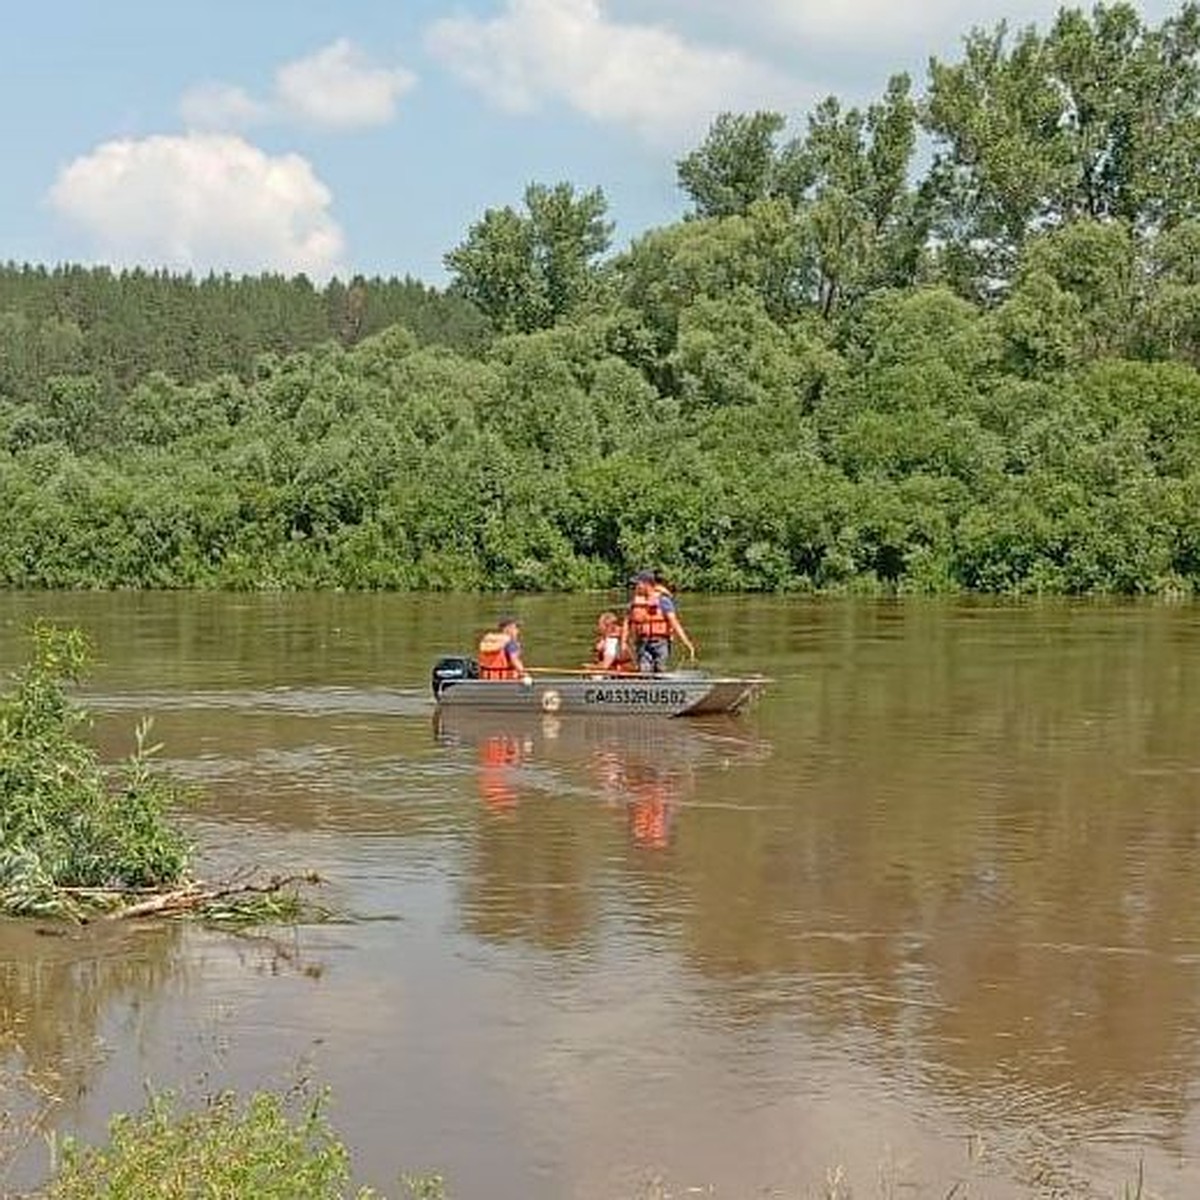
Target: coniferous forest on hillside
x=946, y=341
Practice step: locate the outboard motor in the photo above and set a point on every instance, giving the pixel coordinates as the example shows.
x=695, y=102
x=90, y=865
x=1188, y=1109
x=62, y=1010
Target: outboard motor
x=451, y=670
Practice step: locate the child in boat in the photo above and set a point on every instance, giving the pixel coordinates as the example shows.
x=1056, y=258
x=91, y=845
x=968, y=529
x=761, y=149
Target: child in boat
x=608, y=653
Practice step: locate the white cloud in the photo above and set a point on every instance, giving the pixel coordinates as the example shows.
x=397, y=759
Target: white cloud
x=220, y=106
x=335, y=87
x=201, y=202
x=338, y=87
x=640, y=75
x=872, y=25
x=870, y=30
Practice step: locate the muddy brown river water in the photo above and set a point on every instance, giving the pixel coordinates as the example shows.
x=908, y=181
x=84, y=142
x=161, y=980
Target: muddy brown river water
x=929, y=914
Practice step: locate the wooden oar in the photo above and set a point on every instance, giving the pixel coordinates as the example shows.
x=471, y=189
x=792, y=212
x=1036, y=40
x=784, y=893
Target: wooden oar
x=590, y=672
x=579, y=671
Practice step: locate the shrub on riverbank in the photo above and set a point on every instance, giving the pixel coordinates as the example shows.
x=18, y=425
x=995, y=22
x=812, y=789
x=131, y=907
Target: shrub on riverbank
x=65, y=821
x=78, y=838
x=268, y=1146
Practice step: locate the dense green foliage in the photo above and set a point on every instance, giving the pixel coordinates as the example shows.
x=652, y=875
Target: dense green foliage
x=116, y=329
x=526, y=271
x=65, y=822
x=839, y=371
x=268, y=1146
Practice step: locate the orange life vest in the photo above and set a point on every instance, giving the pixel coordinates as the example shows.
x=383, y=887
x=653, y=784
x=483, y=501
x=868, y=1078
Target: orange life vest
x=493, y=656
x=646, y=617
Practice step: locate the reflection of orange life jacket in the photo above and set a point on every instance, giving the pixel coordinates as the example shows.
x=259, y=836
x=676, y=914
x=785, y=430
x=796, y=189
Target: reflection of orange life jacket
x=650, y=819
x=493, y=656
x=497, y=756
x=646, y=617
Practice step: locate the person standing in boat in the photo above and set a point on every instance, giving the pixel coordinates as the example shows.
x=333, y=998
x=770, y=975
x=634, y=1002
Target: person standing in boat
x=652, y=623
x=500, y=652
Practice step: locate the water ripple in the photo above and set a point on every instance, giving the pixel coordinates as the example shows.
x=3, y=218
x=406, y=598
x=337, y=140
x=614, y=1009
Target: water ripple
x=316, y=702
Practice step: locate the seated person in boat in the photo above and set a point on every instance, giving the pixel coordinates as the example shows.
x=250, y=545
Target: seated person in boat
x=500, y=652
x=652, y=623
x=608, y=653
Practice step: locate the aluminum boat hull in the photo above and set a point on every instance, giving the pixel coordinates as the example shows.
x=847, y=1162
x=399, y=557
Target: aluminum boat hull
x=669, y=695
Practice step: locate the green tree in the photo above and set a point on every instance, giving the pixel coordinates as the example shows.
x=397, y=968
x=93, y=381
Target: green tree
x=861, y=224
x=1169, y=321
x=527, y=270
x=667, y=270
x=1041, y=325
x=1096, y=119
x=730, y=352
x=1095, y=263
x=735, y=165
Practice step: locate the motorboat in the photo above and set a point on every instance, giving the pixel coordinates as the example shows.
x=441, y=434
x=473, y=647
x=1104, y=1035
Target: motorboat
x=456, y=683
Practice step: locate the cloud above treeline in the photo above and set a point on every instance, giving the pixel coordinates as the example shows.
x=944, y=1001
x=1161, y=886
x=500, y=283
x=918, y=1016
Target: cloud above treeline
x=338, y=87
x=664, y=68
x=208, y=198
x=883, y=30
x=200, y=202
x=884, y=25
x=645, y=77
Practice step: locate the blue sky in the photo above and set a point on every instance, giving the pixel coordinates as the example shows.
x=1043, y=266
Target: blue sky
x=366, y=136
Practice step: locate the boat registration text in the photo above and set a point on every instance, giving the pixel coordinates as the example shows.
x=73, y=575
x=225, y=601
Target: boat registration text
x=626, y=695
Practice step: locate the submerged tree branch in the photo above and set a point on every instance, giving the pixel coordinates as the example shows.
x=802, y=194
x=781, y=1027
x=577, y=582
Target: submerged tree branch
x=196, y=896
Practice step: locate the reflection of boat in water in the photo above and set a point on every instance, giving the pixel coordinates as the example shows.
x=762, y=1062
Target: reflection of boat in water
x=671, y=694
x=716, y=740
x=646, y=765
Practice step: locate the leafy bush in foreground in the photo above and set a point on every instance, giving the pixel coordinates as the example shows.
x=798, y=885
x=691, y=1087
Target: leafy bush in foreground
x=268, y=1147
x=66, y=822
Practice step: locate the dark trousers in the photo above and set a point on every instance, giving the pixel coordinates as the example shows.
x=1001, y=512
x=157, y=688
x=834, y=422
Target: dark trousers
x=652, y=655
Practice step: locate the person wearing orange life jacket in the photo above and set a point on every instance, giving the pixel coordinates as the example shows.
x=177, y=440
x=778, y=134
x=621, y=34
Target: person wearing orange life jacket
x=652, y=623
x=500, y=653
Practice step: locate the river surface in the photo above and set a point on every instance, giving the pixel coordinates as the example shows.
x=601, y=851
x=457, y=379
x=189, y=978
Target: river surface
x=928, y=915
